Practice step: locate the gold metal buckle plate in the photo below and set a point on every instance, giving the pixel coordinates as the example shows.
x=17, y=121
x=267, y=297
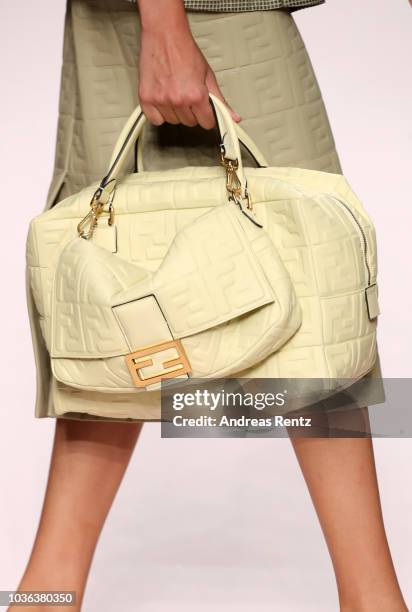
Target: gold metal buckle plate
x=151, y=355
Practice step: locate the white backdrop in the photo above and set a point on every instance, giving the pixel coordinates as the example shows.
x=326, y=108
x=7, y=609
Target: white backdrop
x=223, y=524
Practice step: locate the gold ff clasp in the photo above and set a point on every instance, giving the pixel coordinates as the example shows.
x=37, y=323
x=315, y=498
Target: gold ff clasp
x=151, y=356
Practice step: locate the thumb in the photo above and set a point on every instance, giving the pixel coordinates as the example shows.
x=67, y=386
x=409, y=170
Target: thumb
x=213, y=87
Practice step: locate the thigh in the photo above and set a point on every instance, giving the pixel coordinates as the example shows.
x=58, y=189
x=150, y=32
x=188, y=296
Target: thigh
x=98, y=90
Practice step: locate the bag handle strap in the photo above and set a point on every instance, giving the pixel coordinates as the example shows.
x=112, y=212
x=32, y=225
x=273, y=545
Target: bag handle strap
x=243, y=137
x=134, y=126
x=236, y=183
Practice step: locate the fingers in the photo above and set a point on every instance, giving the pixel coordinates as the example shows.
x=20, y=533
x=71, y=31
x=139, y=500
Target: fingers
x=186, y=116
x=168, y=113
x=158, y=111
x=152, y=113
x=188, y=109
x=163, y=114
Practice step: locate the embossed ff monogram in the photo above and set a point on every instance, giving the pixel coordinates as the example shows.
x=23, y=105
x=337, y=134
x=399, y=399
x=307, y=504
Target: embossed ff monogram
x=153, y=357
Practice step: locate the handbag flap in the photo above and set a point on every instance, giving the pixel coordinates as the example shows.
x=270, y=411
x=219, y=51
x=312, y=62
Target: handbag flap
x=210, y=275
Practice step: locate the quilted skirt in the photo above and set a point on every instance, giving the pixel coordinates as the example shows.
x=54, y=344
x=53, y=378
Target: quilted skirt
x=264, y=71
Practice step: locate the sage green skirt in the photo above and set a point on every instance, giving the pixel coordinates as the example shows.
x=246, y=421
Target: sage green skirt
x=264, y=71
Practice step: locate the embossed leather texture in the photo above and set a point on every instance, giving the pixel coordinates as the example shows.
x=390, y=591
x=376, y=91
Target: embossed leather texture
x=288, y=290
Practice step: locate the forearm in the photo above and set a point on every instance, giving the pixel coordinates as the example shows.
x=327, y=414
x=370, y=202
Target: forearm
x=168, y=16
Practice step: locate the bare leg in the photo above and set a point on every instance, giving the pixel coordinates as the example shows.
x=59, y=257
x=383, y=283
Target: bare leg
x=87, y=466
x=341, y=477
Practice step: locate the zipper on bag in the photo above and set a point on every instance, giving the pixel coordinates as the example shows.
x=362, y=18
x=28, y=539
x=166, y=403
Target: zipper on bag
x=362, y=235
x=371, y=289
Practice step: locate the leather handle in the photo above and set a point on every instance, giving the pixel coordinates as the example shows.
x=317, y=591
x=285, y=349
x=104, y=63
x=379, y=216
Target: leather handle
x=133, y=128
x=243, y=137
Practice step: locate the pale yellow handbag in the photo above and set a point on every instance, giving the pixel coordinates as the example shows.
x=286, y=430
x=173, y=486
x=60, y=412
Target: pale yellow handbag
x=205, y=272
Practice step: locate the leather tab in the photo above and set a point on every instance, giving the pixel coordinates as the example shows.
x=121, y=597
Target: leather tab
x=371, y=296
x=154, y=355
x=142, y=322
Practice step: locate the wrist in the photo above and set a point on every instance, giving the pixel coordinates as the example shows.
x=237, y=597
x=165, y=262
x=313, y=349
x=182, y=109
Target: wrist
x=164, y=17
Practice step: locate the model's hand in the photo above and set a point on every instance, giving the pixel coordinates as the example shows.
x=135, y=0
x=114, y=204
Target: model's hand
x=174, y=76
